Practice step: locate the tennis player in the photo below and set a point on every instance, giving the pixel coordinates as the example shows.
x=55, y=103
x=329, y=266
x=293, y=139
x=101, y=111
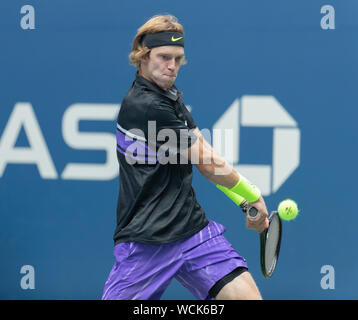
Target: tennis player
x=162, y=231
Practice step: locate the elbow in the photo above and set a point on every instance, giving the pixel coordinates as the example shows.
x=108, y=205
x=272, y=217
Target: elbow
x=207, y=170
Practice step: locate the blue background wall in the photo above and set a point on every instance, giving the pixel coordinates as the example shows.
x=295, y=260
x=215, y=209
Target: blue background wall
x=78, y=54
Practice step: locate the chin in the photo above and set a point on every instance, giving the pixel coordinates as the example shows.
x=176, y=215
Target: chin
x=166, y=84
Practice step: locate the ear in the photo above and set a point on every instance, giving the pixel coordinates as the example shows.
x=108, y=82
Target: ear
x=145, y=58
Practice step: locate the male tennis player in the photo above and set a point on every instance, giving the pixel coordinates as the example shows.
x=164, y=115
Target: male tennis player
x=162, y=231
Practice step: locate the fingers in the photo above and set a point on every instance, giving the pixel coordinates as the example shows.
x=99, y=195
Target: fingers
x=263, y=226
x=259, y=223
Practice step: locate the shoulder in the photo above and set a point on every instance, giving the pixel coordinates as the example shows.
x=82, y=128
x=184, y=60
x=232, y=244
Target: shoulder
x=132, y=113
x=138, y=97
x=161, y=110
x=140, y=106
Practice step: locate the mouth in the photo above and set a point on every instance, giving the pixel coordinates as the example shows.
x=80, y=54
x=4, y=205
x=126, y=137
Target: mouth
x=170, y=75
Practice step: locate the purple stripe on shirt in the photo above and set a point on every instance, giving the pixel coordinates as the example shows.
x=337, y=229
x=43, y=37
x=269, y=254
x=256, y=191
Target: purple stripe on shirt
x=130, y=146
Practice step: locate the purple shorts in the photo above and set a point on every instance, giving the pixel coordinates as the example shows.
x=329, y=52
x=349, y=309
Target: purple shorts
x=143, y=271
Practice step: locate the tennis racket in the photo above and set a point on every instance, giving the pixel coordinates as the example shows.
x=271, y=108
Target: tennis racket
x=270, y=240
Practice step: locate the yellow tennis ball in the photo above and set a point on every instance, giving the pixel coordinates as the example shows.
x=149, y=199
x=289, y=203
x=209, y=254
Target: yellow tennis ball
x=287, y=209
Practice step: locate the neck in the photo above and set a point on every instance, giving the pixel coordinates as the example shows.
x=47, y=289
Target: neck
x=144, y=75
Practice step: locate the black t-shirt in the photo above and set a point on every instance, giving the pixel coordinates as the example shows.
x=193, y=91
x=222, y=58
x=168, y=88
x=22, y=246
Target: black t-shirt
x=156, y=203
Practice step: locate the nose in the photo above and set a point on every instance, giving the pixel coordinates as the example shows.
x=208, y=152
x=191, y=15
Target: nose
x=171, y=64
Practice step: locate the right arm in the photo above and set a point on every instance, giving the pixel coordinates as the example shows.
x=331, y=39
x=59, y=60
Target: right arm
x=216, y=169
x=210, y=164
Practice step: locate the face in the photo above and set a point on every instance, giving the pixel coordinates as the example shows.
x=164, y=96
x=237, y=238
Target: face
x=162, y=65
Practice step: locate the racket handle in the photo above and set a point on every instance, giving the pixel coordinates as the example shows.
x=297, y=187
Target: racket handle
x=252, y=212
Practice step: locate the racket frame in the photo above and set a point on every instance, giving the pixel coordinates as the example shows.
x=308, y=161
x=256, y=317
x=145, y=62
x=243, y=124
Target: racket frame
x=252, y=213
x=263, y=237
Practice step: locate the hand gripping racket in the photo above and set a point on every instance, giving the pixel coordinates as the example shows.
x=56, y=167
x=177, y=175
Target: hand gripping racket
x=270, y=238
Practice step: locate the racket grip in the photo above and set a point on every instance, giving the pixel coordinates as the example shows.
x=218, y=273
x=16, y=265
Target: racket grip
x=252, y=212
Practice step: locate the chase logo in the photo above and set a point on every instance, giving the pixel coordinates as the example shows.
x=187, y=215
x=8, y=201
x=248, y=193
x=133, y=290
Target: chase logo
x=38, y=153
x=250, y=111
x=260, y=111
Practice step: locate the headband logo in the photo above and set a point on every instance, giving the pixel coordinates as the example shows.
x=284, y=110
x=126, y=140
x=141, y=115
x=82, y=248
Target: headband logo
x=176, y=39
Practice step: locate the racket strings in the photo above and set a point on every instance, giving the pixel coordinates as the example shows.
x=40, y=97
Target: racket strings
x=272, y=242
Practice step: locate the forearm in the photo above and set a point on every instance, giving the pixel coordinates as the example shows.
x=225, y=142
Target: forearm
x=220, y=172
x=216, y=169
x=213, y=167
x=210, y=164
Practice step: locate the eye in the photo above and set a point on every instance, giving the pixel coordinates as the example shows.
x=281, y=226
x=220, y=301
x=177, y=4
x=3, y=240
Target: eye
x=179, y=59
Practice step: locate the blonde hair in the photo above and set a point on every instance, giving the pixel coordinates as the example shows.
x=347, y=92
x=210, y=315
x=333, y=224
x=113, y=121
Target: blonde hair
x=155, y=24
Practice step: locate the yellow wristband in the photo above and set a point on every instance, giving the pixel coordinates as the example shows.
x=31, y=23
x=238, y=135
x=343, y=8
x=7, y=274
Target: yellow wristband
x=232, y=195
x=247, y=190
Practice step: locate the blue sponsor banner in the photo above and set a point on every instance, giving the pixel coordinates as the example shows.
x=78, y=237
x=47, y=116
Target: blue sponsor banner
x=281, y=76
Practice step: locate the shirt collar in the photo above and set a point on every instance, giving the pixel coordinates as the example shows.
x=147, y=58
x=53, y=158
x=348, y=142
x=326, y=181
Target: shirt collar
x=172, y=93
